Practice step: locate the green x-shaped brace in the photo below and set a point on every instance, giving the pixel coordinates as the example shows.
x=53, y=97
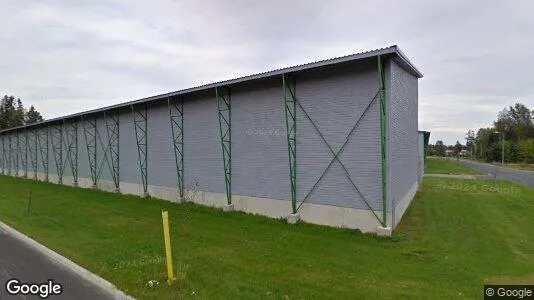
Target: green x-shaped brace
x=336, y=154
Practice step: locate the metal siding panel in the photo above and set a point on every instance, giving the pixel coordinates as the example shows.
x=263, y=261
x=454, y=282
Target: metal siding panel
x=83, y=159
x=259, y=143
x=202, y=146
x=31, y=143
x=102, y=156
x=12, y=149
x=161, y=161
x=335, y=100
x=66, y=162
x=129, y=170
x=102, y=141
x=40, y=168
x=403, y=149
x=51, y=156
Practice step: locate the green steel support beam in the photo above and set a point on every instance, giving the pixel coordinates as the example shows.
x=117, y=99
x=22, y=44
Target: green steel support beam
x=24, y=154
x=33, y=146
x=105, y=149
x=176, y=114
x=383, y=137
x=140, y=118
x=9, y=155
x=90, y=133
x=56, y=134
x=290, y=108
x=224, y=107
x=112, y=129
x=17, y=153
x=71, y=134
x=44, y=149
x=14, y=154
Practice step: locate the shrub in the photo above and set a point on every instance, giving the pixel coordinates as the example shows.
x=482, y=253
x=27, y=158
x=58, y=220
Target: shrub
x=526, y=149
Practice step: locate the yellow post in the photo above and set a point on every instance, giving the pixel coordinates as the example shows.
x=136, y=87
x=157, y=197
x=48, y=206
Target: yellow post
x=168, y=253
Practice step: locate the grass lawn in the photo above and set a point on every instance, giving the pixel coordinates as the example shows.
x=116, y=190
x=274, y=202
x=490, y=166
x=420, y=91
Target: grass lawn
x=437, y=165
x=456, y=236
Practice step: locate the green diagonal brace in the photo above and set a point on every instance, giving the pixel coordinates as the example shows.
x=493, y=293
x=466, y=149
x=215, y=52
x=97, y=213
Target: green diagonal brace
x=224, y=108
x=8, y=154
x=17, y=153
x=24, y=157
x=112, y=129
x=176, y=114
x=336, y=156
x=71, y=139
x=291, y=117
x=90, y=135
x=42, y=138
x=140, y=118
x=56, y=134
x=33, y=147
x=290, y=108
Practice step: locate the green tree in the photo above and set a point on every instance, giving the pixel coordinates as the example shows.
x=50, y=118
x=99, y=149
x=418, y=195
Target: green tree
x=440, y=148
x=7, y=109
x=526, y=149
x=511, y=151
x=457, y=148
x=33, y=116
x=431, y=150
x=516, y=122
x=13, y=113
x=470, y=139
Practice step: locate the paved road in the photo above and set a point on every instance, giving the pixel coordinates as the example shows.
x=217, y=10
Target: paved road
x=519, y=176
x=19, y=261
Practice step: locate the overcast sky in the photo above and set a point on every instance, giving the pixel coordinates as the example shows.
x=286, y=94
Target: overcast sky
x=66, y=56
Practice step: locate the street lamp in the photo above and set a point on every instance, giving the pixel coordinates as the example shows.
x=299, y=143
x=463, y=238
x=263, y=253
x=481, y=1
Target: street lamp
x=502, y=147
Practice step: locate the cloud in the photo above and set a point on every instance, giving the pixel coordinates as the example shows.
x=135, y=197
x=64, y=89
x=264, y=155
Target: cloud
x=66, y=56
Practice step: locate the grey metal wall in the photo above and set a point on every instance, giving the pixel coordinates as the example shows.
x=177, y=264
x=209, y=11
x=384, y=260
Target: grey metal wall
x=129, y=162
x=203, y=168
x=259, y=150
x=403, y=145
x=335, y=98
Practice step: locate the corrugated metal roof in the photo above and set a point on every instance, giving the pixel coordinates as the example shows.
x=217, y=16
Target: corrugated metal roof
x=393, y=51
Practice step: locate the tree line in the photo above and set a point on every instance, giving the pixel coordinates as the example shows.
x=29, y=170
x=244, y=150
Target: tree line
x=14, y=114
x=514, y=126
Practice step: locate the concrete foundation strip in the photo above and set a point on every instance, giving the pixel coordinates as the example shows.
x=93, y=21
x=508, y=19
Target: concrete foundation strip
x=94, y=279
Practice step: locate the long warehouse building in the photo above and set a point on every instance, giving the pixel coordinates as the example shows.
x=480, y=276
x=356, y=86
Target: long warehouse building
x=333, y=142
